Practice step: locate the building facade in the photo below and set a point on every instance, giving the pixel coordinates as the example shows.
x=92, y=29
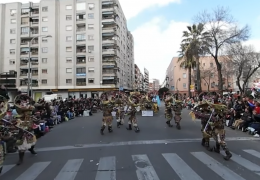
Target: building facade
x=76, y=47
x=154, y=85
x=178, y=76
x=139, y=81
x=146, y=80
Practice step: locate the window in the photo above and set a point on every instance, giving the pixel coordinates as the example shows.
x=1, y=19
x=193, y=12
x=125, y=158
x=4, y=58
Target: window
x=81, y=82
x=90, y=37
x=213, y=85
x=13, y=21
x=68, y=70
x=44, y=50
x=68, y=17
x=81, y=17
x=184, y=85
x=91, y=6
x=44, y=40
x=69, y=7
x=211, y=64
x=44, y=19
x=90, y=59
x=68, y=38
x=91, y=15
x=12, y=12
x=68, y=59
x=68, y=49
x=44, y=29
x=12, y=51
x=44, y=60
x=90, y=80
x=81, y=71
x=81, y=37
x=44, y=81
x=68, y=81
x=12, y=31
x=81, y=6
x=90, y=48
x=229, y=84
x=91, y=26
x=68, y=28
x=25, y=30
x=44, y=9
x=44, y=71
x=11, y=61
x=212, y=75
x=184, y=75
x=91, y=69
x=12, y=41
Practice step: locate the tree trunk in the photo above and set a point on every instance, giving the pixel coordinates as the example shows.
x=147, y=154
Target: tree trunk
x=198, y=75
x=220, y=80
x=189, y=81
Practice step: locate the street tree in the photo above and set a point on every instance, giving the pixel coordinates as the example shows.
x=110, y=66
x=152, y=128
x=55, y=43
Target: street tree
x=223, y=31
x=193, y=46
x=207, y=74
x=186, y=61
x=246, y=62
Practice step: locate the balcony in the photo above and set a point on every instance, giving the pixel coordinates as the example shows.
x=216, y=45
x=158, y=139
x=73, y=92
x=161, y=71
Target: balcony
x=81, y=60
x=35, y=32
x=109, y=42
x=81, y=18
x=35, y=42
x=25, y=12
x=81, y=27
x=111, y=64
x=81, y=50
x=7, y=75
x=109, y=52
x=24, y=53
x=109, y=21
x=8, y=83
x=111, y=72
x=109, y=80
x=25, y=43
x=25, y=34
x=34, y=21
x=35, y=11
x=81, y=82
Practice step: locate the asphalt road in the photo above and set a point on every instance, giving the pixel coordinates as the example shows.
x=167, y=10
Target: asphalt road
x=76, y=150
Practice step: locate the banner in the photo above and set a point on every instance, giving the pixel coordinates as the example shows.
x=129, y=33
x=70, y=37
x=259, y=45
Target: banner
x=158, y=100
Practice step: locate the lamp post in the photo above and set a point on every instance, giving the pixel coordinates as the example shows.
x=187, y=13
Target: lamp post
x=29, y=88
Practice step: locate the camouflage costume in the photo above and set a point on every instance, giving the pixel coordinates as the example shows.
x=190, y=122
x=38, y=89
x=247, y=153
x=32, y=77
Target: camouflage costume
x=107, y=116
x=177, y=108
x=212, y=126
x=132, y=121
x=168, y=111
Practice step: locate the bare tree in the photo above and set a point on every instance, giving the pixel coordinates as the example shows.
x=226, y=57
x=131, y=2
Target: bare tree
x=207, y=74
x=227, y=71
x=222, y=32
x=246, y=62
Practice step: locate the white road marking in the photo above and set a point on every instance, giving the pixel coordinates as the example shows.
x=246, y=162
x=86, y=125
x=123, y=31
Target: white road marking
x=69, y=170
x=106, y=168
x=145, y=170
x=217, y=167
x=34, y=171
x=181, y=168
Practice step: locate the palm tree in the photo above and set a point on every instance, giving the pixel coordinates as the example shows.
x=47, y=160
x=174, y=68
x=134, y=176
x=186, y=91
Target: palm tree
x=187, y=62
x=195, y=42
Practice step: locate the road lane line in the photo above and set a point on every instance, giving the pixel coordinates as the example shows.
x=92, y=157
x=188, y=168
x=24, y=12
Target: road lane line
x=133, y=143
x=145, y=170
x=217, y=167
x=6, y=168
x=69, y=170
x=106, y=168
x=34, y=171
x=245, y=163
x=253, y=152
x=181, y=168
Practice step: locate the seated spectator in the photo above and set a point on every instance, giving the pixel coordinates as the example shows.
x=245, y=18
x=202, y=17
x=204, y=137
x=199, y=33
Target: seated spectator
x=244, y=118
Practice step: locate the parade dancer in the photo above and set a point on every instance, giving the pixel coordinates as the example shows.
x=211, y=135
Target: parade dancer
x=177, y=108
x=212, y=121
x=26, y=140
x=168, y=110
x=107, y=116
x=132, y=121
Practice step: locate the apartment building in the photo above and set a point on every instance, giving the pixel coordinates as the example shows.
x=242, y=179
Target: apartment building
x=139, y=79
x=76, y=47
x=146, y=80
x=178, y=76
x=154, y=85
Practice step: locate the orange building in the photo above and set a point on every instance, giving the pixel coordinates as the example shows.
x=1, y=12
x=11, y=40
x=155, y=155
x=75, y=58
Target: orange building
x=178, y=76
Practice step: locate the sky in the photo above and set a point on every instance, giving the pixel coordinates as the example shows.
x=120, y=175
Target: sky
x=157, y=26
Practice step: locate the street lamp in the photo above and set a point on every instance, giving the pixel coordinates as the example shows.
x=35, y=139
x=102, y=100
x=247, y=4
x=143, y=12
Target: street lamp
x=29, y=88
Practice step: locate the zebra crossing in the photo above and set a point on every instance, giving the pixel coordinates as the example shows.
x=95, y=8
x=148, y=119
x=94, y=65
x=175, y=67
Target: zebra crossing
x=145, y=168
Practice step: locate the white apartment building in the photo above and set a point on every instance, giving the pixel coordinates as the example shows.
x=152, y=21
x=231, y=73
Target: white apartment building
x=90, y=49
